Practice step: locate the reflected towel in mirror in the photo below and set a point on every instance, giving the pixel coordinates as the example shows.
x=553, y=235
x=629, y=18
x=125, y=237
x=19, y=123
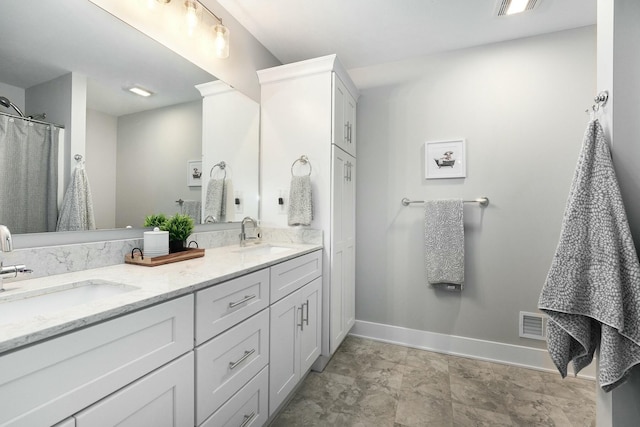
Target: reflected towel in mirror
x=76, y=212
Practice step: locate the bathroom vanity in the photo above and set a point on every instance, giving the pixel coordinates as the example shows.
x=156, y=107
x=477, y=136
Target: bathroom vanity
x=195, y=343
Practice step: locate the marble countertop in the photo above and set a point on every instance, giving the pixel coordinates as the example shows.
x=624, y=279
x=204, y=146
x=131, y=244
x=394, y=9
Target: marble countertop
x=155, y=285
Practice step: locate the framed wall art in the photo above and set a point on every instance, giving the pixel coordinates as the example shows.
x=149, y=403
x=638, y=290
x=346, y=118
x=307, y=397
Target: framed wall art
x=194, y=173
x=445, y=159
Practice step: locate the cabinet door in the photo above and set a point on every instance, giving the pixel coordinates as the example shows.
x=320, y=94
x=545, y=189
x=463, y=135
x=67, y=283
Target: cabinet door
x=343, y=120
x=164, y=398
x=342, y=291
x=71, y=422
x=284, y=353
x=338, y=123
x=311, y=329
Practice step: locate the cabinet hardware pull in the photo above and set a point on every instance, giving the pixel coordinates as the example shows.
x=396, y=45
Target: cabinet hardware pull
x=243, y=300
x=306, y=319
x=247, y=419
x=349, y=132
x=247, y=353
x=301, y=324
x=346, y=132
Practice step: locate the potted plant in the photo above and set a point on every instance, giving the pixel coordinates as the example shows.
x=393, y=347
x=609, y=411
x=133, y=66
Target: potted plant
x=180, y=228
x=155, y=220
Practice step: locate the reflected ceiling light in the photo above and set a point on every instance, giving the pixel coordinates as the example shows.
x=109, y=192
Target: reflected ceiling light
x=510, y=7
x=140, y=91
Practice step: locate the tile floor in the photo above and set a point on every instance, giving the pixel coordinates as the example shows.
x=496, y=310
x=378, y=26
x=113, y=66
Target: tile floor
x=369, y=383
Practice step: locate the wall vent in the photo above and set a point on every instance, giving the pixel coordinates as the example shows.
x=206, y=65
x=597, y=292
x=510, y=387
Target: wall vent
x=503, y=5
x=533, y=325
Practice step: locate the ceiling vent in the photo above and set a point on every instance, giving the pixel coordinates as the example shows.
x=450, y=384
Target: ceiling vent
x=533, y=325
x=503, y=6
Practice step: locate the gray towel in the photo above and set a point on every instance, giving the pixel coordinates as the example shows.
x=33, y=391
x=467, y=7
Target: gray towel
x=214, y=199
x=76, y=212
x=300, y=204
x=592, y=291
x=444, y=243
x=193, y=208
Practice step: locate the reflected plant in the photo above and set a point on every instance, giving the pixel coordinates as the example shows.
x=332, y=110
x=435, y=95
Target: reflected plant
x=155, y=220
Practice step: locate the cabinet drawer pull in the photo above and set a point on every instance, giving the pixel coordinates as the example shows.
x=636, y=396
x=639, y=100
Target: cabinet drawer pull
x=306, y=319
x=346, y=132
x=242, y=301
x=247, y=419
x=247, y=353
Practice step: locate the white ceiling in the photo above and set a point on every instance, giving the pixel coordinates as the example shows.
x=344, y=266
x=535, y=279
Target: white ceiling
x=368, y=32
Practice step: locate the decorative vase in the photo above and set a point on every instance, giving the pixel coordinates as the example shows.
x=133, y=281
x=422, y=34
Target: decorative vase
x=176, y=246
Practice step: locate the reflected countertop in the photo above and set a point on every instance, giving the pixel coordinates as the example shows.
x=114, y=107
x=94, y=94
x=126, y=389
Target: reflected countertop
x=156, y=284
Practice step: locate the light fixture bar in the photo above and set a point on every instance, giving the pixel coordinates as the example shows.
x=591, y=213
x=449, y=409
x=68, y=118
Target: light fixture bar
x=139, y=91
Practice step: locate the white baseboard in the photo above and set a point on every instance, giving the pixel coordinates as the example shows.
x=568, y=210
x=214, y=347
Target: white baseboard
x=491, y=351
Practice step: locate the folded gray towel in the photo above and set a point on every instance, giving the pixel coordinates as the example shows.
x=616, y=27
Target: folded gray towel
x=193, y=208
x=300, y=203
x=444, y=243
x=592, y=291
x=214, y=199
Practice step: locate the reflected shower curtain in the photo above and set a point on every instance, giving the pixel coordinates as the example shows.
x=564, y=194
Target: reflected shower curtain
x=28, y=175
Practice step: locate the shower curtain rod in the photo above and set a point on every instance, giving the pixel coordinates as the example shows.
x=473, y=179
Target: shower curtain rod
x=32, y=120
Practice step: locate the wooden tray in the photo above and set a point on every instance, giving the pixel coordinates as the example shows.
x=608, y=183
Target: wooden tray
x=188, y=253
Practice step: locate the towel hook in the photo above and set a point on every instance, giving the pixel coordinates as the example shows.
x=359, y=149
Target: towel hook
x=222, y=165
x=305, y=161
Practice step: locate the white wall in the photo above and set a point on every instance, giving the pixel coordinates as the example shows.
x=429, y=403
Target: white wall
x=100, y=163
x=618, y=71
x=153, y=149
x=521, y=106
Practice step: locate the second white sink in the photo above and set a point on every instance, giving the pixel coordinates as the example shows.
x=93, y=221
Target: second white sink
x=23, y=305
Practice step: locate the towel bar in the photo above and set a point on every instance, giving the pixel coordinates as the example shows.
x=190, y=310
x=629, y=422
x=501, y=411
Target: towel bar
x=484, y=201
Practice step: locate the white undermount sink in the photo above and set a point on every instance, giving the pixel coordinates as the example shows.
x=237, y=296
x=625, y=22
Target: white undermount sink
x=263, y=249
x=24, y=305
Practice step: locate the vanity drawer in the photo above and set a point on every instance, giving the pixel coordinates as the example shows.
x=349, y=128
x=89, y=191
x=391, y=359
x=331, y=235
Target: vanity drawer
x=227, y=362
x=295, y=273
x=248, y=407
x=222, y=306
x=50, y=381
x=161, y=398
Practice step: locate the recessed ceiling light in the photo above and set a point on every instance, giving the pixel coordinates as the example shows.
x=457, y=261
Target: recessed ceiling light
x=510, y=7
x=139, y=91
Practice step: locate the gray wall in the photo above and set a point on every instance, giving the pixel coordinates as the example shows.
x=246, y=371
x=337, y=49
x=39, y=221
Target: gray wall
x=521, y=107
x=153, y=150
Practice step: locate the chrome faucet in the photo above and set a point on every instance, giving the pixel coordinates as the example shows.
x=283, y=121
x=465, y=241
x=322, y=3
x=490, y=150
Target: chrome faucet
x=6, y=245
x=243, y=234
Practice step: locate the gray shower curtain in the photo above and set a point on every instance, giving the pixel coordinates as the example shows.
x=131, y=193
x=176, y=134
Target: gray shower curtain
x=28, y=175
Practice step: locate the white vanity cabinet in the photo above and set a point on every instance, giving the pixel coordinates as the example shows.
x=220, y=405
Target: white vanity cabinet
x=309, y=108
x=50, y=381
x=295, y=340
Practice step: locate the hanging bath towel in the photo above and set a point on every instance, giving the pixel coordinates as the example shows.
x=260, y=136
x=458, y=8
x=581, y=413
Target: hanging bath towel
x=76, y=212
x=213, y=200
x=300, y=204
x=192, y=208
x=444, y=243
x=592, y=291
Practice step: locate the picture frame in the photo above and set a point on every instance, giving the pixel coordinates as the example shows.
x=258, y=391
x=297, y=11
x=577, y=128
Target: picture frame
x=194, y=173
x=445, y=159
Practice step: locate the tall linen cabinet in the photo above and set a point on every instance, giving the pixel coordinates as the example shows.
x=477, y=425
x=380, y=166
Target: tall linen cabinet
x=309, y=108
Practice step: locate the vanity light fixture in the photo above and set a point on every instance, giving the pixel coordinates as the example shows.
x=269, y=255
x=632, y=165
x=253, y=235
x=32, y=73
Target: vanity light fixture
x=192, y=15
x=139, y=91
x=511, y=7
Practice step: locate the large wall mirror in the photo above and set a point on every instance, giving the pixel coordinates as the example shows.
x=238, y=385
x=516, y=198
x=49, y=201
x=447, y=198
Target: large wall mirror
x=139, y=152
